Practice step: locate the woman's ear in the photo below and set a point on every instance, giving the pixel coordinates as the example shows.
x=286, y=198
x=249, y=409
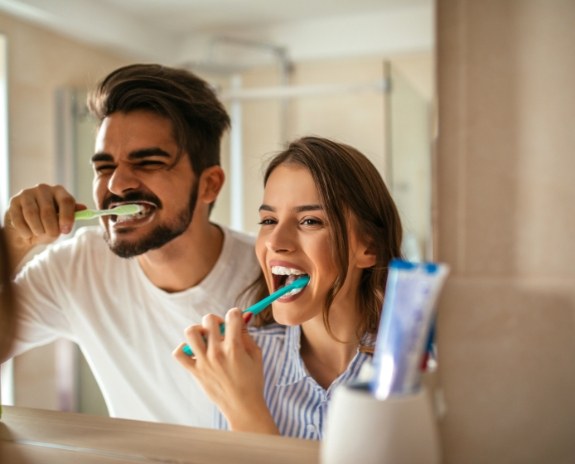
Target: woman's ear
x=365, y=256
x=211, y=182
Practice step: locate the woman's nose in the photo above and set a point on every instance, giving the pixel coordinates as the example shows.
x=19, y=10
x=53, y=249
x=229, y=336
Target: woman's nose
x=281, y=240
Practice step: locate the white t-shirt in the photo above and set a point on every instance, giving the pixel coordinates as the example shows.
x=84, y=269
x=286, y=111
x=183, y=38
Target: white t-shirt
x=125, y=326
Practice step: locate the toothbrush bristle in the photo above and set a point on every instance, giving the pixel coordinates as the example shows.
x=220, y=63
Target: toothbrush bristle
x=128, y=209
x=301, y=282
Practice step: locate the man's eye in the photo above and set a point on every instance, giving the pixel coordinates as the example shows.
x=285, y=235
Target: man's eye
x=151, y=164
x=103, y=168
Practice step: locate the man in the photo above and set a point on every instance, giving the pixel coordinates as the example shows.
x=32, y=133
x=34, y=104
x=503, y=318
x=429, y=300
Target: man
x=157, y=146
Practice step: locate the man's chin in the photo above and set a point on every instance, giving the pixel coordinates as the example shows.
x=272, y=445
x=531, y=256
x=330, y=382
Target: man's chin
x=124, y=250
x=130, y=248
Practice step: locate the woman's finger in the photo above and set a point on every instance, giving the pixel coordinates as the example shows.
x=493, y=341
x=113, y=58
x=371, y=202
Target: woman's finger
x=189, y=362
x=196, y=337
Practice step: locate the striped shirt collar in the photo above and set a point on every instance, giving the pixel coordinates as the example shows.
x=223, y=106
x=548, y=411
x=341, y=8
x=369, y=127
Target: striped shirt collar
x=293, y=368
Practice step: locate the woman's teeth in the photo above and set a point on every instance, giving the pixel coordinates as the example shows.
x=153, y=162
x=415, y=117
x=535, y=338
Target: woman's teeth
x=281, y=270
x=284, y=276
x=295, y=291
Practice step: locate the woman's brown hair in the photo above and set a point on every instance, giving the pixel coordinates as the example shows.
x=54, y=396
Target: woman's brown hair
x=349, y=186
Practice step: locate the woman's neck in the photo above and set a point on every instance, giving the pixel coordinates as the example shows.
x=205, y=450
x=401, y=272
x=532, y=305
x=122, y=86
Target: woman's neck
x=327, y=356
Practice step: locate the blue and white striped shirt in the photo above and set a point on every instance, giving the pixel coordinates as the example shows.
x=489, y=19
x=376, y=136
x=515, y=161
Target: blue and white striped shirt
x=298, y=404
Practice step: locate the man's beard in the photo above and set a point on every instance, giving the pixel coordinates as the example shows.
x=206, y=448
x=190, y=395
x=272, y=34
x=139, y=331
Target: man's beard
x=158, y=237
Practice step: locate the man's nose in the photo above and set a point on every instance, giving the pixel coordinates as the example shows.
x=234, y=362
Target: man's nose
x=122, y=180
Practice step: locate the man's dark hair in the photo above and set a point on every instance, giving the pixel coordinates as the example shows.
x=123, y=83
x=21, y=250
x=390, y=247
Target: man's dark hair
x=199, y=119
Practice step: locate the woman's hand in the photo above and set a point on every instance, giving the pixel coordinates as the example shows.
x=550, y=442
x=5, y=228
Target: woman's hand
x=229, y=368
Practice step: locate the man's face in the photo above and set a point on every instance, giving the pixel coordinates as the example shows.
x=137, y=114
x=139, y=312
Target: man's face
x=135, y=162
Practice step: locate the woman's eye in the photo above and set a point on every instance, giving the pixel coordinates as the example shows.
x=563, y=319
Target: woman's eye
x=311, y=221
x=266, y=222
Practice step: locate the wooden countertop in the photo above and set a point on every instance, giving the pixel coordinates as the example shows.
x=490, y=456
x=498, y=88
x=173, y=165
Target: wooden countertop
x=33, y=436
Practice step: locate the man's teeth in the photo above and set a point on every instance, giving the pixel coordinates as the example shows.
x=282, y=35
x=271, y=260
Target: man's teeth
x=131, y=217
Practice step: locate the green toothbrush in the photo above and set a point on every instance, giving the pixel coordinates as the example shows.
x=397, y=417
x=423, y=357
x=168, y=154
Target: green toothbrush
x=121, y=210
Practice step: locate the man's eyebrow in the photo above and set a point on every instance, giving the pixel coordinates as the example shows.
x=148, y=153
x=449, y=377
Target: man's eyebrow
x=134, y=155
x=101, y=157
x=298, y=209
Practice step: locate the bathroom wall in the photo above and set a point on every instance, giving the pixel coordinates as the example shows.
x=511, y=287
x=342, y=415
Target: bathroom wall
x=336, y=98
x=506, y=226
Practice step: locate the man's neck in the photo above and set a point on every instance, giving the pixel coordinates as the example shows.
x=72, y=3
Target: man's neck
x=186, y=260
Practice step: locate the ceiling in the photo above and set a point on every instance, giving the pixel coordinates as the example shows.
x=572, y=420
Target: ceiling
x=175, y=30
x=185, y=16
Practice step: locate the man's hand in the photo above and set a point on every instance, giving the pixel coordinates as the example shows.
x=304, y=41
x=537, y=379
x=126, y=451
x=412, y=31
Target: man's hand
x=35, y=216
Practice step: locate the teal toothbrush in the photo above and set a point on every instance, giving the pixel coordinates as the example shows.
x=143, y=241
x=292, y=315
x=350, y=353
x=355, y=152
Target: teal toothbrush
x=263, y=304
x=121, y=210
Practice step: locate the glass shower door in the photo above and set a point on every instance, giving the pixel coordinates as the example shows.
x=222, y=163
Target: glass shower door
x=409, y=167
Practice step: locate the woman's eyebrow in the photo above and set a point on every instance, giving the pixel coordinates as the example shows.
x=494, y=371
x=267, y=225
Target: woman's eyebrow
x=265, y=207
x=299, y=209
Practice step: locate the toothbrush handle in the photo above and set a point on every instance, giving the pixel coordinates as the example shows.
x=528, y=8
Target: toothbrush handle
x=256, y=308
x=265, y=302
x=85, y=214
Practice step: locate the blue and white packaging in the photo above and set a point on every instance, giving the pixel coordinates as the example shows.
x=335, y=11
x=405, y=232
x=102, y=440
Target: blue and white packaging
x=407, y=316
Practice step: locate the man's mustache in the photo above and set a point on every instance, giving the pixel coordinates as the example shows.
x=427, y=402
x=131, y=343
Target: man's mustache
x=133, y=197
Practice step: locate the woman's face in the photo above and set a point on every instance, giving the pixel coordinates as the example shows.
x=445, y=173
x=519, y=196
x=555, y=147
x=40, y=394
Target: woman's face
x=295, y=238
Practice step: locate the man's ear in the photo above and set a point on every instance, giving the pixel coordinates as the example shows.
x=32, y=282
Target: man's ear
x=211, y=182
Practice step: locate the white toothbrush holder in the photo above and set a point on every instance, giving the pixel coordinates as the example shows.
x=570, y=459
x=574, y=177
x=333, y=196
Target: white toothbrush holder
x=398, y=430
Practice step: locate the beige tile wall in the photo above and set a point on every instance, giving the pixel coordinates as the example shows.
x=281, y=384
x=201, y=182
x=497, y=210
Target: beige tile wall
x=506, y=223
x=353, y=117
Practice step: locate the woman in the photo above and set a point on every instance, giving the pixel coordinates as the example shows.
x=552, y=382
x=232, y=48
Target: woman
x=326, y=213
